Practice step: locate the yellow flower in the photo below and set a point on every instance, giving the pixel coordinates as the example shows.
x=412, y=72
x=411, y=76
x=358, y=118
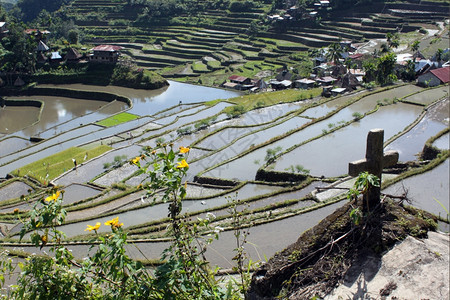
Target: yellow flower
x=16, y=210
x=184, y=149
x=114, y=223
x=136, y=160
x=53, y=197
x=182, y=164
x=95, y=227
x=44, y=239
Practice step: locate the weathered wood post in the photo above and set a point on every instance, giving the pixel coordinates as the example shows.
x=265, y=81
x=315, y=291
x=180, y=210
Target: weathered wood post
x=374, y=163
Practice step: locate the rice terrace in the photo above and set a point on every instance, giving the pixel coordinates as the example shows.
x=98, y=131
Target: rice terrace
x=179, y=136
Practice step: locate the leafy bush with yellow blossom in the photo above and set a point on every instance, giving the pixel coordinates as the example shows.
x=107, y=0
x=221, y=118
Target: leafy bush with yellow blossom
x=108, y=272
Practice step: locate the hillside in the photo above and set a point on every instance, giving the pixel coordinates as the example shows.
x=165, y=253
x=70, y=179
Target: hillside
x=212, y=41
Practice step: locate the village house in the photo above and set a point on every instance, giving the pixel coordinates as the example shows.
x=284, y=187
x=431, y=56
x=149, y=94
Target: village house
x=338, y=91
x=39, y=35
x=42, y=47
x=41, y=58
x=425, y=65
x=284, y=75
x=238, y=83
x=239, y=79
x=55, y=57
x=105, y=54
x=326, y=80
x=231, y=85
x=280, y=85
x=72, y=55
x=359, y=74
x=435, y=77
x=304, y=83
x=3, y=29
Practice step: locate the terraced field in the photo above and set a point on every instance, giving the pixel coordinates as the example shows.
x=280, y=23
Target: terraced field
x=175, y=50
x=228, y=157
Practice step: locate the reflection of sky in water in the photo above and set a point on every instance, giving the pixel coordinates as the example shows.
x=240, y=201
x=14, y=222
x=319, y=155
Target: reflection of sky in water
x=60, y=110
x=150, y=102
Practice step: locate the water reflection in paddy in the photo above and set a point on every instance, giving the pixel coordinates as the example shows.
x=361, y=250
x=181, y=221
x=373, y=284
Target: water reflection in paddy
x=330, y=155
x=442, y=142
x=57, y=110
x=267, y=114
x=411, y=143
x=12, y=144
x=105, y=111
x=10, y=115
x=77, y=192
x=149, y=102
x=425, y=190
x=156, y=212
x=428, y=96
x=241, y=145
x=263, y=241
x=14, y=190
x=244, y=168
x=324, y=109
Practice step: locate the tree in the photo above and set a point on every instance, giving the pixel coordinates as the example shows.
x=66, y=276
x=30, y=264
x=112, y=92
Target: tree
x=370, y=68
x=385, y=69
x=409, y=73
x=18, y=54
x=392, y=40
x=334, y=53
x=384, y=48
x=73, y=36
x=415, y=46
x=438, y=55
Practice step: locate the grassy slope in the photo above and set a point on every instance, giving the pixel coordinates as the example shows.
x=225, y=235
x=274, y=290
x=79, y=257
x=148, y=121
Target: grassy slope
x=49, y=168
x=117, y=119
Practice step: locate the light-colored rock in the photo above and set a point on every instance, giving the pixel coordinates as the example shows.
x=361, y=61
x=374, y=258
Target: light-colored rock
x=413, y=269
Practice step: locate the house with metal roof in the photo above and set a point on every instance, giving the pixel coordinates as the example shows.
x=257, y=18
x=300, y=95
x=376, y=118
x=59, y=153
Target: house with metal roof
x=105, y=54
x=304, y=83
x=3, y=29
x=239, y=79
x=435, y=77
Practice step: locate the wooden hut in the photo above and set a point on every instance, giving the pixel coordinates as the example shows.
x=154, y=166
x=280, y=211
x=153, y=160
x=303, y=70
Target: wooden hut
x=72, y=55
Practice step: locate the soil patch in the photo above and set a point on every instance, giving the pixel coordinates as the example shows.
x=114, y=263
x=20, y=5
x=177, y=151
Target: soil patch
x=319, y=260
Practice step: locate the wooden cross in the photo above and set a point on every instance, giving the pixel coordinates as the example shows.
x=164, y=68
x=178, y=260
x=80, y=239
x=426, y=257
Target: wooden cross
x=374, y=163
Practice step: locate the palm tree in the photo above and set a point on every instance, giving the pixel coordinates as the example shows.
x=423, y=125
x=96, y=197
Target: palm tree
x=415, y=48
x=384, y=48
x=439, y=54
x=392, y=40
x=334, y=53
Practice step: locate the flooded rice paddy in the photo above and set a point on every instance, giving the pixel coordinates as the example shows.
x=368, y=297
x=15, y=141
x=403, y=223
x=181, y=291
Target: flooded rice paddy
x=319, y=134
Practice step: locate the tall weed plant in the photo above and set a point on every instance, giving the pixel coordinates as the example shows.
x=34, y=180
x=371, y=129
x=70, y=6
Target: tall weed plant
x=108, y=272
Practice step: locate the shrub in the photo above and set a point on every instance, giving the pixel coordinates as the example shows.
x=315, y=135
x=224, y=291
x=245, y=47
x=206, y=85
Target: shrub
x=236, y=111
x=240, y=6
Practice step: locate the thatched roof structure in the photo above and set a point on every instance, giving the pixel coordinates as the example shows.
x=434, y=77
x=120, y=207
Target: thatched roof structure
x=348, y=81
x=42, y=47
x=72, y=55
x=19, y=82
x=338, y=70
x=41, y=58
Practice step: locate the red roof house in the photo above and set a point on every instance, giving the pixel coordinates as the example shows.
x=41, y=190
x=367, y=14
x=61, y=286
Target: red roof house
x=442, y=73
x=106, y=53
x=239, y=79
x=435, y=77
